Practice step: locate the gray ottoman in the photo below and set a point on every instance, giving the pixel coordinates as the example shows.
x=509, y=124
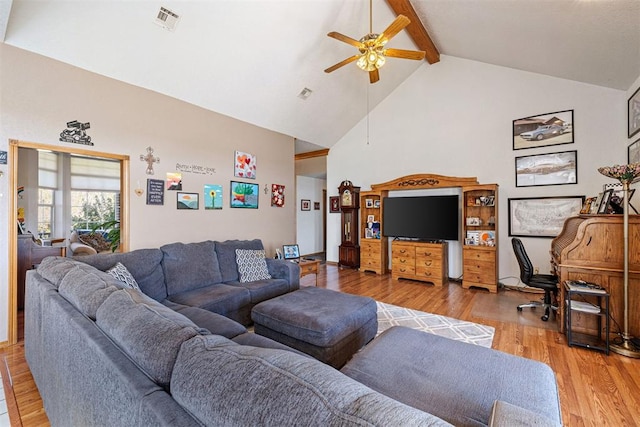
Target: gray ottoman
x=328, y=325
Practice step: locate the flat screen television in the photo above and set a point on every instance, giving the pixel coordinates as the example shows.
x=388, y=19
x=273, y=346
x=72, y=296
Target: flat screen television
x=424, y=218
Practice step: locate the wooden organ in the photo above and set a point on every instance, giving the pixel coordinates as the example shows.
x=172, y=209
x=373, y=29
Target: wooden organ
x=591, y=248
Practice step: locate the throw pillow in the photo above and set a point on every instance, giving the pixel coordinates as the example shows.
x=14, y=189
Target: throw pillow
x=120, y=272
x=252, y=265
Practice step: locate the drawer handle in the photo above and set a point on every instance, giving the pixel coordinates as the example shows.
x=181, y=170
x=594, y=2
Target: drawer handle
x=427, y=254
x=403, y=251
x=402, y=270
x=428, y=273
x=403, y=261
x=428, y=263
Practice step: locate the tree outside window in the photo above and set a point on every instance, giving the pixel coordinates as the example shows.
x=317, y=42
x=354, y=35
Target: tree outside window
x=89, y=209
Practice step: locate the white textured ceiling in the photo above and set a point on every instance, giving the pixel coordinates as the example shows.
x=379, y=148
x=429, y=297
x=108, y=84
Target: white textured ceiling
x=249, y=59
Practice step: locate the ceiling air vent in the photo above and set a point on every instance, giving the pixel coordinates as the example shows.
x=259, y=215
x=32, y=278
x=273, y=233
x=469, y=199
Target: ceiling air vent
x=167, y=19
x=305, y=93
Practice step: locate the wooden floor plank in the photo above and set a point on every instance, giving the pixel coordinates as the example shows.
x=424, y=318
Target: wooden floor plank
x=595, y=389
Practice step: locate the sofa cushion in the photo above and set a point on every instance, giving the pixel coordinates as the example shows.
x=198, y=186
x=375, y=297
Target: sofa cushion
x=412, y=366
x=147, y=331
x=262, y=290
x=54, y=268
x=212, y=375
x=190, y=266
x=213, y=322
x=504, y=414
x=143, y=264
x=227, y=256
x=120, y=272
x=87, y=288
x=251, y=265
x=219, y=298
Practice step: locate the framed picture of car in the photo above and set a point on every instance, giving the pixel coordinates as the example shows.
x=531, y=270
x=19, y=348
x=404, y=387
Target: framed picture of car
x=543, y=130
x=547, y=169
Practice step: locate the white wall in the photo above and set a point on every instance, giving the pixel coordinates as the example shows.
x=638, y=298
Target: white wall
x=309, y=223
x=455, y=118
x=38, y=96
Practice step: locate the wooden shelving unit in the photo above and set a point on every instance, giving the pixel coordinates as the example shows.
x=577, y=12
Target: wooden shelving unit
x=480, y=234
x=373, y=246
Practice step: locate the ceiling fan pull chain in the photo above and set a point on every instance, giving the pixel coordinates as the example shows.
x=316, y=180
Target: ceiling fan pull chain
x=370, y=16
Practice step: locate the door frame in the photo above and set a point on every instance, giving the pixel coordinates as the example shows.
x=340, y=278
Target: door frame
x=12, y=232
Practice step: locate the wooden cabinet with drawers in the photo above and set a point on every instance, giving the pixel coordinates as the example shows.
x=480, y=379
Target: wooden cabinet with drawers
x=422, y=261
x=479, y=268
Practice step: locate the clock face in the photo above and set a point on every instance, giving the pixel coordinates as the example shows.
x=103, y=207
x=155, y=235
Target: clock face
x=346, y=198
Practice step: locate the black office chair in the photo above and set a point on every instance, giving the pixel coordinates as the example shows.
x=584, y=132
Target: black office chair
x=546, y=282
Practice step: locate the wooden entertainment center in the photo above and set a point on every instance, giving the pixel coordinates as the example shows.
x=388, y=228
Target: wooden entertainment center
x=428, y=261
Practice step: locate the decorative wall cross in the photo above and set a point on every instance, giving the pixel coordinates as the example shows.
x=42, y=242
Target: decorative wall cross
x=150, y=159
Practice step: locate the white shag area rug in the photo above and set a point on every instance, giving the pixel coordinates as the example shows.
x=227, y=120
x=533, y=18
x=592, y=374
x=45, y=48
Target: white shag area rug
x=391, y=315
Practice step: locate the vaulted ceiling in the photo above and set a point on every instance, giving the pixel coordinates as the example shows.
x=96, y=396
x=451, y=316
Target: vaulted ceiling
x=250, y=59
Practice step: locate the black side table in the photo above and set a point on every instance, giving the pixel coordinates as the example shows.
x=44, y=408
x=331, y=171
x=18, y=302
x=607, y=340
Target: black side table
x=575, y=298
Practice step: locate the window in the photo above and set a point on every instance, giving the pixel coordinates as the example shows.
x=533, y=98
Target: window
x=45, y=212
x=95, y=184
x=47, y=185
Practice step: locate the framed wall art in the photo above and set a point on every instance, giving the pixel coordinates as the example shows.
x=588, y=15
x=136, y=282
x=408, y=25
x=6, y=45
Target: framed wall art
x=305, y=205
x=334, y=204
x=212, y=196
x=316, y=206
x=277, y=195
x=543, y=130
x=633, y=152
x=541, y=216
x=547, y=169
x=244, y=195
x=187, y=201
x=633, y=113
x=245, y=165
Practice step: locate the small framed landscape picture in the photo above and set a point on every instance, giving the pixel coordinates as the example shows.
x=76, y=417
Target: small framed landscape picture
x=187, y=201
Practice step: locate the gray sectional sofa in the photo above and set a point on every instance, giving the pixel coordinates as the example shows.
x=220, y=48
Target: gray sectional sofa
x=203, y=275
x=105, y=354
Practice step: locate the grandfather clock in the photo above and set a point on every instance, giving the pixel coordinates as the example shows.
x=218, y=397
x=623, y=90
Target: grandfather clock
x=349, y=253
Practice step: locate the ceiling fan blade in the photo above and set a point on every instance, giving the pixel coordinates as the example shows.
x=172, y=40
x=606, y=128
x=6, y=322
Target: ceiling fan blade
x=396, y=26
x=405, y=54
x=342, y=63
x=346, y=39
x=374, y=76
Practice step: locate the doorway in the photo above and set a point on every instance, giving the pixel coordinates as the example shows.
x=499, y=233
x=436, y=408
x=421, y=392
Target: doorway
x=14, y=147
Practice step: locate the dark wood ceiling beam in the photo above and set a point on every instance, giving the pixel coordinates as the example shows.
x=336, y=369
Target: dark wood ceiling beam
x=416, y=29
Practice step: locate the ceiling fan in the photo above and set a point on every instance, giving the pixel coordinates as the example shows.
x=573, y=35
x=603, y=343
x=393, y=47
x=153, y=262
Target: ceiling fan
x=372, y=54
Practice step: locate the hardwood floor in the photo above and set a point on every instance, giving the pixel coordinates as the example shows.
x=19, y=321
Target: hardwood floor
x=595, y=389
